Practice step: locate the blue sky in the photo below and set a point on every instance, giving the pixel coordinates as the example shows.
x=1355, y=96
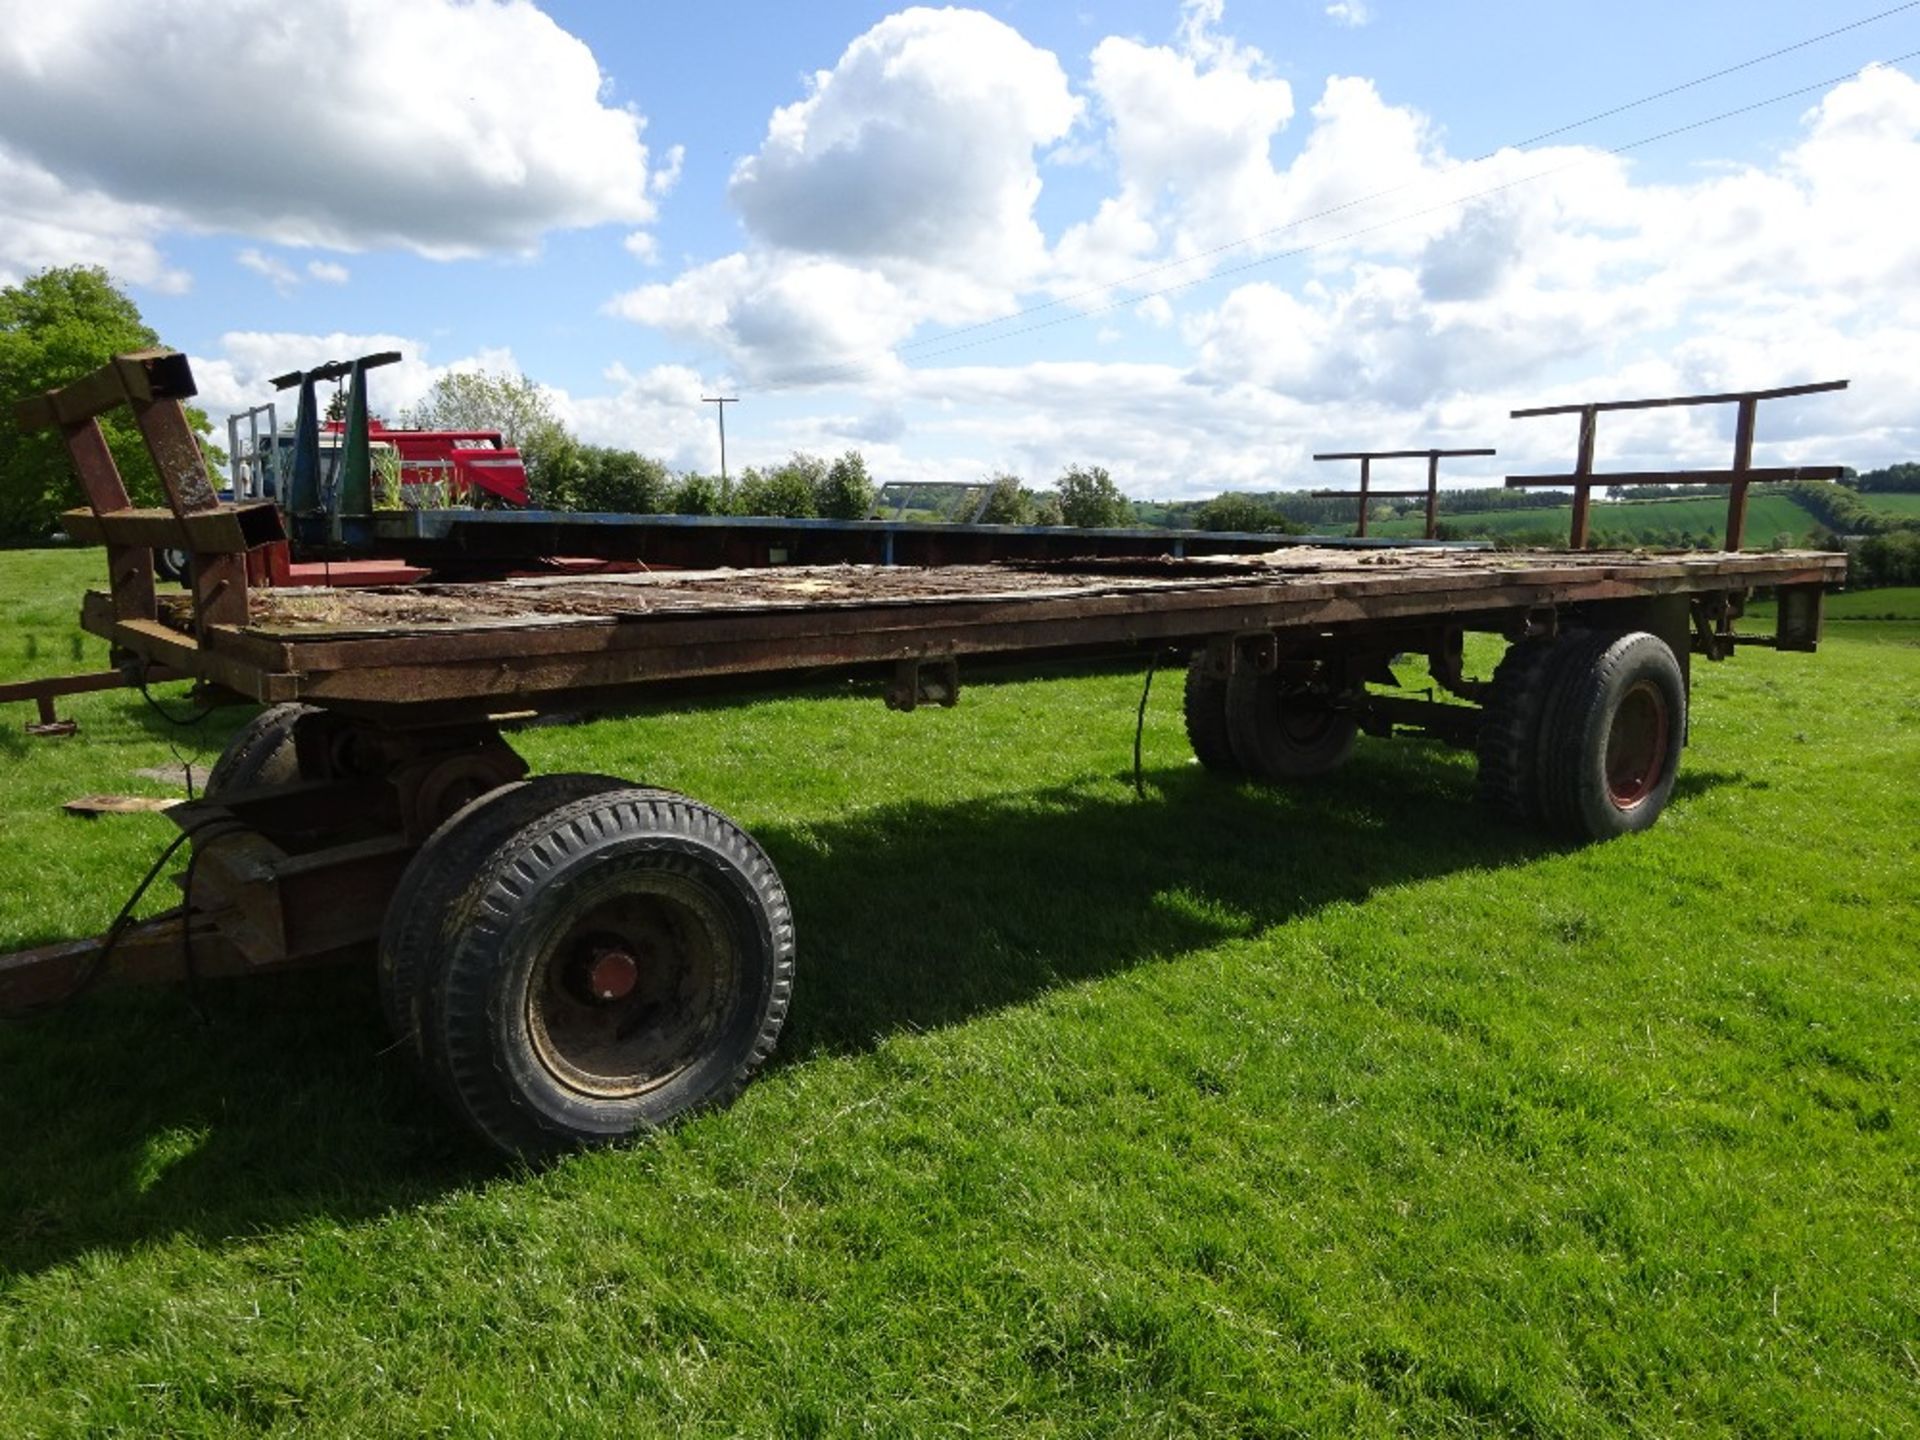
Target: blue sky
x=635, y=203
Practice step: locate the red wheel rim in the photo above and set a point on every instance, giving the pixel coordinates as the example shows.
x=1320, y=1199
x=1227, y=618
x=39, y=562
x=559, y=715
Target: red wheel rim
x=1637, y=745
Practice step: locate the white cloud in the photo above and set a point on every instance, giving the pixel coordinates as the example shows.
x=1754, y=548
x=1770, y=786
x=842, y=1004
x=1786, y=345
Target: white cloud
x=916, y=148
x=1193, y=129
x=277, y=273
x=283, y=277
x=352, y=124
x=779, y=317
x=657, y=412
x=1352, y=13
x=240, y=374
x=46, y=222
x=662, y=181
x=899, y=190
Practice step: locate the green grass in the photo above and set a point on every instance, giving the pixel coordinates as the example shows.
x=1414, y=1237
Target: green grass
x=1217, y=1112
x=1893, y=602
x=1629, y=521
x=1904, y=504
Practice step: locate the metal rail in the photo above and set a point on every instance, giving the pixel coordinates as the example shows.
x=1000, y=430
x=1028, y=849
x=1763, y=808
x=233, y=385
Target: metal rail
x=1366, y=492
x=1737, y=479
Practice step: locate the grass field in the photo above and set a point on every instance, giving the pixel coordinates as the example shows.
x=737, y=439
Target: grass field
x=1902, y=503
x=1218, y=1112
x=1629, y=521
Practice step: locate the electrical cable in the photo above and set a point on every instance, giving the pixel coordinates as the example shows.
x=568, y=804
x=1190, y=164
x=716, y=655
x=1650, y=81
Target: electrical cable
x=96, y=963
x=853, y=369
x=1140, y=726
x=163, y=712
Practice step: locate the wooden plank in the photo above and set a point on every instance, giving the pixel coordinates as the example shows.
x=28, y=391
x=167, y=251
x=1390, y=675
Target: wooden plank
x=129, y=568
x=501, y=665
x=229, y=529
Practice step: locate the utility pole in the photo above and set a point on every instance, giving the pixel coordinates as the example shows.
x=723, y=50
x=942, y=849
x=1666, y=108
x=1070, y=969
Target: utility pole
x=721, y=402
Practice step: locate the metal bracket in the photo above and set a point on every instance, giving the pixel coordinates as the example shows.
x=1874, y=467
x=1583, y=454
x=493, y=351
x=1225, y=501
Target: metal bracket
x=924, y=682
x=1541, y=622
x=1713, y=616
x=1255, y=650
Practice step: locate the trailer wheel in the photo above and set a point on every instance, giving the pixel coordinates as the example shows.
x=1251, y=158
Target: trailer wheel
x=262, y=753
x=442, y=868
x=1509, y=741
x=1205, y=707
x=615, y=965
x=1283, y=730
x=1610, y=739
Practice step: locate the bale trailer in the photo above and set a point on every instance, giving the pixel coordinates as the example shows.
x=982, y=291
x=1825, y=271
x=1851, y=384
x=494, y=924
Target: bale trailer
x=575, y=958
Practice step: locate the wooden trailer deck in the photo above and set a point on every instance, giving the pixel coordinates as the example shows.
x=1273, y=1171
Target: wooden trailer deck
x=525, y=644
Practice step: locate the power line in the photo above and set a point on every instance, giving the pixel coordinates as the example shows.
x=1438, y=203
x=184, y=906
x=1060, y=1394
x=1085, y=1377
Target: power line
x=854, y=368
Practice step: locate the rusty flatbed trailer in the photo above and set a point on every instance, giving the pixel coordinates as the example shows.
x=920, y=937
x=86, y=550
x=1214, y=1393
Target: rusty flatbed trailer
x=573, y=958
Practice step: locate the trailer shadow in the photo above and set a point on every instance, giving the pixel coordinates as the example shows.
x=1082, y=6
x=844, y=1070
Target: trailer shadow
x=130, y=1118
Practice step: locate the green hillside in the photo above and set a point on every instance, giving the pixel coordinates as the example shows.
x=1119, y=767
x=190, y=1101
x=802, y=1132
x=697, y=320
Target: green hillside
x=1902, y=504
x=1634, y=521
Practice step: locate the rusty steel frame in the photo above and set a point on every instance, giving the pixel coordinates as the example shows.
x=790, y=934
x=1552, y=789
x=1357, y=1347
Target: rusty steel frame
x=1742, y=474
x=43, y=692
x=153, y=384
x=1367, y=492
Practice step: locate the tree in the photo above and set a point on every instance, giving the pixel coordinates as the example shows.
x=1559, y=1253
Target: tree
x=846, y=493
x=608, y=479
x=1237, y=510
x=1008, y=501
x=787, y=490
x=519, y=409
x=1090, y=499
x=56, y=326
x=697, y=495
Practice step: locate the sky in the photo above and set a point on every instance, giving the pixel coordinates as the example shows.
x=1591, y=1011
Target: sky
x=1191, y=242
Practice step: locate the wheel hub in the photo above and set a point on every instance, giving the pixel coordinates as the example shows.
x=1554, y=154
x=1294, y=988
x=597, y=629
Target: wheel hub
x=1637, y=745
x=628, y=994
x=611, y=974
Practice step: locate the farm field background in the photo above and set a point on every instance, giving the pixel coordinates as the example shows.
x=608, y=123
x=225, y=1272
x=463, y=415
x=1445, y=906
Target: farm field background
x=1768, y=516
x=1221, y=1111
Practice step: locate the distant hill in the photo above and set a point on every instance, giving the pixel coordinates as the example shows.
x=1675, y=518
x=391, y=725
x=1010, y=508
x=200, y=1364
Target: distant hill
x=1690, y=522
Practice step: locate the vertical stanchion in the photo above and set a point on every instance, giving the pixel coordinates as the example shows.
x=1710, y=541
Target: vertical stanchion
x=1583, y=468
x=1742, y=462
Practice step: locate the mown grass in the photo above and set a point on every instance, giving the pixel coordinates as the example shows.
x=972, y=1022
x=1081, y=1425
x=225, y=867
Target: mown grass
x=1217, y=1112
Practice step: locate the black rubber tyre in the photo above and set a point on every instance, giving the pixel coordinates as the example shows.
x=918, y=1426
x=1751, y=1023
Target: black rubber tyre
x=1205, y=706
x=439, y=873
x=1610, y=736
x=1509, y=740
x=261, y=754
x=622, y=961
x=1281, y=731
x=171, y=563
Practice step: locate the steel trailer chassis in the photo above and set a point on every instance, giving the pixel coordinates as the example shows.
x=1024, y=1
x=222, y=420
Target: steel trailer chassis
x=574, y=958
